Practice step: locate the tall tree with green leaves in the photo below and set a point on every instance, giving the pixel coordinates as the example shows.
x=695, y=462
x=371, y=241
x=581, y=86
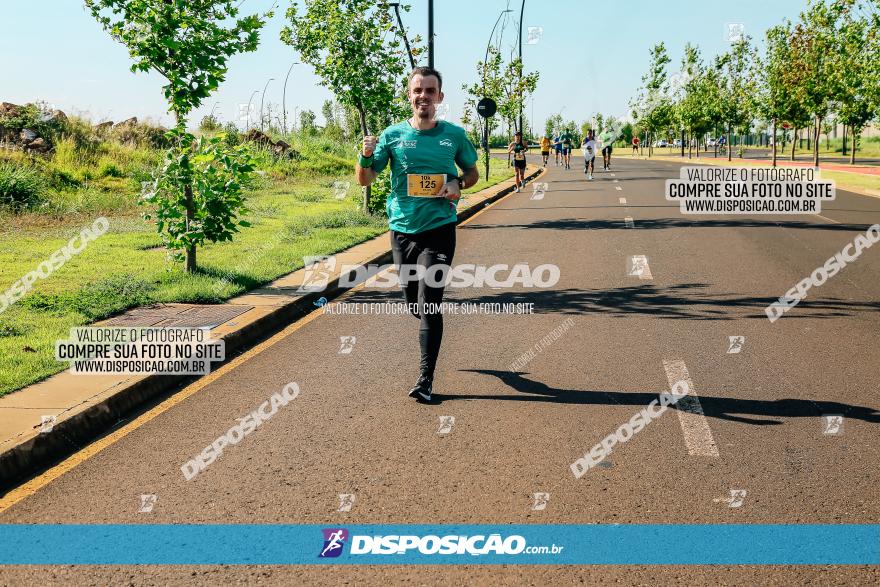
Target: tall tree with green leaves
x=189, y=43
x=489, y=85
x=355, y=50
x=816, y=45
x=775, y=96
x=859, y=68
x=690, y=98
x=553, y=124
x=516, y=87
x=738, y=88
x=652, y=108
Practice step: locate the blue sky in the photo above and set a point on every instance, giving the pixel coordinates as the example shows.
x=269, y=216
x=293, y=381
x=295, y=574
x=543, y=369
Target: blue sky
x=591, y=55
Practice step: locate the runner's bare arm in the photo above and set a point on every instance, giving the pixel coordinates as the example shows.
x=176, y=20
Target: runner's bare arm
x=451, y=190
x=365, y=175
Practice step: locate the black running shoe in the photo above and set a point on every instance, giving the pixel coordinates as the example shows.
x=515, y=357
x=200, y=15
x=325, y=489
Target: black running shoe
x=422, y=391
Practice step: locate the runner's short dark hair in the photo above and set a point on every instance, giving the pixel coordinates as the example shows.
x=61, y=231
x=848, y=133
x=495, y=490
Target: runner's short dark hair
x=424, y=72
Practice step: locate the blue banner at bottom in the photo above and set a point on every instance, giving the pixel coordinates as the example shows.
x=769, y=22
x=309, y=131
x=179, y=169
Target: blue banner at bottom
x=528, y=544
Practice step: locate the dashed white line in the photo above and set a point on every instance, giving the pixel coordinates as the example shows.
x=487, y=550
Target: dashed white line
x=697, y=434
x=618, y=188
x=616, y=180
x=621, y=200
x=629, y=222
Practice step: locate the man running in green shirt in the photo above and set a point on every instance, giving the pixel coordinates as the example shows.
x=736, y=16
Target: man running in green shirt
x=425, y=189
x=566, y=149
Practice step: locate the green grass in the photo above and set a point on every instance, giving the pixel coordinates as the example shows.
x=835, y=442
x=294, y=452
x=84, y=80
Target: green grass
x=499, y=170
x=291, y=218
x=127, y=267
x=21, y=186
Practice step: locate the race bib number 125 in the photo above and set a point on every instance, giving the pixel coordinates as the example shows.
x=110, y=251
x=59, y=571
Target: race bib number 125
x=425, y=185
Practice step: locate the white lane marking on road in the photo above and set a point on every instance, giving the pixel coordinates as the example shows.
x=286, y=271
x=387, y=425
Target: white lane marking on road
x=621, y=200
x=697, y=434
x=616, y=180
x=618, y=188
x=629, y=222
x=638, y=267
x=612, y=175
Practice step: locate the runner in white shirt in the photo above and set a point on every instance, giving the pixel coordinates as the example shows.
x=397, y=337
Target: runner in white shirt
x=589, y=146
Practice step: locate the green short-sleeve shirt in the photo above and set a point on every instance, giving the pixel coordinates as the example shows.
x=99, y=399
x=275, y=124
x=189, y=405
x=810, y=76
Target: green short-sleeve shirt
x=437, y=150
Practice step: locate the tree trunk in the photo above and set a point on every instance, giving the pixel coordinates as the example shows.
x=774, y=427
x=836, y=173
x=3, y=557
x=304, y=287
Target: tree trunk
x=729, y=146
x=816, y=133
x=855, y=145
x=683, y=139
x=190, y=217
x=843, y=148
x=794, y=140
x=363, y=119
x=190, y=265
x=774, y=142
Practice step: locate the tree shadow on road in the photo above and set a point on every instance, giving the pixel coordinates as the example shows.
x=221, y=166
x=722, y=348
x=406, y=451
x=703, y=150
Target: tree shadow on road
x=687, y=301
x=723, y=408
x=661, y=223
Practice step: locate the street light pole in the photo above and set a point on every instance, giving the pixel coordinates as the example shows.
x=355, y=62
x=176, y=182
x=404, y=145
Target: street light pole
x=521, y=11
x=262, y=99
x=412, y=61
x=532, y=121
x=430, y=33
x=248, y=123
x=284, y=96
x=489, y=44
x=485, y=68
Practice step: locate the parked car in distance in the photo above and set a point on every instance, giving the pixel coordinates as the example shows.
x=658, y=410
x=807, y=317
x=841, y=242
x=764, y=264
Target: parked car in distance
x=676, y=142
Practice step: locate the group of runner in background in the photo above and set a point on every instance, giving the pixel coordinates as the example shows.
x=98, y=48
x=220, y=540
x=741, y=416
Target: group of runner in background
x=562, y=144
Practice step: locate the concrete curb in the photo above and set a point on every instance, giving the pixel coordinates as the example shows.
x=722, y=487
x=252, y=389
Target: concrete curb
x=38, y=450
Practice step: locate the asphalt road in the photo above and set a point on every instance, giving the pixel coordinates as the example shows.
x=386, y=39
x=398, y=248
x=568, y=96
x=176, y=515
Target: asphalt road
x=353, y=430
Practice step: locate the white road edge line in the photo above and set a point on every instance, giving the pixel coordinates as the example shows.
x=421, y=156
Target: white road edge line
x=697, y=434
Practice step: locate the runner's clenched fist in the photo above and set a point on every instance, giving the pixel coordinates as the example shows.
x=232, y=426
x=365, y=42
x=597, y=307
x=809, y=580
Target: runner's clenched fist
x=369, y=145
